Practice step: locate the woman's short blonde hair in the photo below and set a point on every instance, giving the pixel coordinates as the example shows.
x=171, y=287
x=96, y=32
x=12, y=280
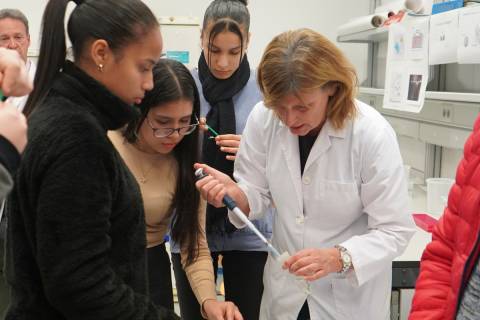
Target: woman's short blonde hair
x=303, y=60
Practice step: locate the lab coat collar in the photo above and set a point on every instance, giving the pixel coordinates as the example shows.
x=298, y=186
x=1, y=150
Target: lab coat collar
x=337, y=133
x=322, y=144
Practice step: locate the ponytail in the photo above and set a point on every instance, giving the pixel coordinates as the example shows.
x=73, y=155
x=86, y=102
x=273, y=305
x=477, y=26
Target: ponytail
x=119, y=22
x=52, y=52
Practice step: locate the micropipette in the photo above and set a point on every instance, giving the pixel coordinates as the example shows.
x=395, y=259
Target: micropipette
x=279, y=258
x=232, y=206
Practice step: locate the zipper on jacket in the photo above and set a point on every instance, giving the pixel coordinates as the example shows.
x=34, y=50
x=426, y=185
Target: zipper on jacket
x=474, y=255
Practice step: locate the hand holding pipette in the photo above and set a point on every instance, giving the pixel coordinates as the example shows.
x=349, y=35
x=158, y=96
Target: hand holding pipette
x=205, y=127
x=216, y=187
x=214, y=190
x=227, y=143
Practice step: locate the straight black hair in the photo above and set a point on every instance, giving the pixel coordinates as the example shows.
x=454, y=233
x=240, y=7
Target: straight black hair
x=235, y=10
x=119, y=22
x=227, y=15
x=173, y=82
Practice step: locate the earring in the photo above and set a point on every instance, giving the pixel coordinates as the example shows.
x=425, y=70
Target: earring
x=100, y=67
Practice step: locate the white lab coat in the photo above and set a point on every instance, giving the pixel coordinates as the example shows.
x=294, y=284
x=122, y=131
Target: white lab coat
x=353, y=192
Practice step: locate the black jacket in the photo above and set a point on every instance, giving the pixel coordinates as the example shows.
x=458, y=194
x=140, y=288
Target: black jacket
x=9, y=159
x=76, y=229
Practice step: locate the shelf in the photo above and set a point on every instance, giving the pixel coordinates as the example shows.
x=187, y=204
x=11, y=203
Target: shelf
x=446, y=119
x=453, y=96
x=372, y=35
x=434, y=95
x=367, y=90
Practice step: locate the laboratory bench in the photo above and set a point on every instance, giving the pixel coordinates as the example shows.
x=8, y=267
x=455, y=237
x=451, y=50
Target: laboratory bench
x=405, y=268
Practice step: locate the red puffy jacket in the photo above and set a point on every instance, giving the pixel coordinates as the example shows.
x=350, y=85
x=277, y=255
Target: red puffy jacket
x=450, y=258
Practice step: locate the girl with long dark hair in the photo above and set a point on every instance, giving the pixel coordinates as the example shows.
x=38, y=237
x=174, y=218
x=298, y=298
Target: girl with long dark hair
x=160, y=147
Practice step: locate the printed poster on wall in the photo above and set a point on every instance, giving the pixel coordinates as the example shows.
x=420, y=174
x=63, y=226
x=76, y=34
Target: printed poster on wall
x=443, y=38
x=407, y=65
x=469, y=35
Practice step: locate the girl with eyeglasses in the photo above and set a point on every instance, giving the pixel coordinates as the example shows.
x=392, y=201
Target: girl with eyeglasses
x=160, y=147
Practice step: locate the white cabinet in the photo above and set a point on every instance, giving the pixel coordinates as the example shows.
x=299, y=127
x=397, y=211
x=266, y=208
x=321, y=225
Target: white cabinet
x=438, y=111
x=443, y=136
x=404, y=127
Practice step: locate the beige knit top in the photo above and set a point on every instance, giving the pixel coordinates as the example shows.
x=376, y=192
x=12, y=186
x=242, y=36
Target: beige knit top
x=156, y=175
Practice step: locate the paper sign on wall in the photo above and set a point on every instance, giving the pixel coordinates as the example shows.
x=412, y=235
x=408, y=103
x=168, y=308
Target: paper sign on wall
x=469, y=35
x=443, y=38
x=407, y=65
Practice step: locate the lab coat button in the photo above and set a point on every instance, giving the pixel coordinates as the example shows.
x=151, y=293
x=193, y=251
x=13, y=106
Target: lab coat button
x=307, y=289
x=306, y=180
x=299, y=219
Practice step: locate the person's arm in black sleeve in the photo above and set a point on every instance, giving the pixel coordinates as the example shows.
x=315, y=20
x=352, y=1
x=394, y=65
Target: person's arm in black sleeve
x=6, y=184
x=9, y=155
x=74, y=243
x=9, y=159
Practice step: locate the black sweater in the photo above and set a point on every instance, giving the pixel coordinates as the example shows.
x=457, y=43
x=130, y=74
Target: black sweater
x=9, y=159
x=76, y=228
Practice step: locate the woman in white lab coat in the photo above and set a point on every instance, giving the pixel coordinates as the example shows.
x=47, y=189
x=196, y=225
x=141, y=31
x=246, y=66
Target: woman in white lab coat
x=332, y=167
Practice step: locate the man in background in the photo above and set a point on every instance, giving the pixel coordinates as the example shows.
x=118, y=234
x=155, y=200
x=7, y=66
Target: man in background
x=15, y=35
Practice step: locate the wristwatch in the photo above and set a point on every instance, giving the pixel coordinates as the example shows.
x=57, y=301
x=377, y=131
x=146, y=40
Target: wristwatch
x=345, y=259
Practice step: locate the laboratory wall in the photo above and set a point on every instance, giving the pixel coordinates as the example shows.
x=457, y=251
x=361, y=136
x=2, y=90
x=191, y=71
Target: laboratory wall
x=268, y=18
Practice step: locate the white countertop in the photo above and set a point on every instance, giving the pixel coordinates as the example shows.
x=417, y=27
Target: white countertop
x=414, y=250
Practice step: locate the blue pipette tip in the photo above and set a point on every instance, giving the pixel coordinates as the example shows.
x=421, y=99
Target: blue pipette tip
x=275, y=253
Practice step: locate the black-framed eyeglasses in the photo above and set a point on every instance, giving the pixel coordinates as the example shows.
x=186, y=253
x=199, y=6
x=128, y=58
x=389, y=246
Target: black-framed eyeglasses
x=166, y=132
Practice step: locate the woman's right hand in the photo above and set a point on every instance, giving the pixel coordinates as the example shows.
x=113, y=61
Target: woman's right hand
x=215, y=185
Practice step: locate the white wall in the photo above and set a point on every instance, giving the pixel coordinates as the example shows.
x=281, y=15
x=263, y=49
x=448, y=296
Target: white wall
x=268, y=18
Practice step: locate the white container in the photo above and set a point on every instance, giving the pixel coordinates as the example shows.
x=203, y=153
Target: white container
x=437, y=195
